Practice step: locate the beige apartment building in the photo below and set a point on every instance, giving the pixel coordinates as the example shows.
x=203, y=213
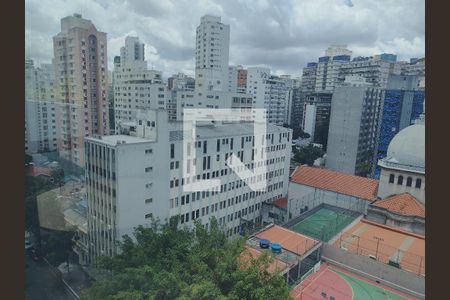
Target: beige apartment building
x=80, y=62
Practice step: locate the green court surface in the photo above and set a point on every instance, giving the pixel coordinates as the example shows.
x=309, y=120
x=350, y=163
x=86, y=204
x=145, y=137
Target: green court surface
x=365, y=290
x=323, y=224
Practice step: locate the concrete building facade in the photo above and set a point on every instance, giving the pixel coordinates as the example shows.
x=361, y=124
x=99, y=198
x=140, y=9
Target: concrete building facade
x=132, y=178
x=354, y=129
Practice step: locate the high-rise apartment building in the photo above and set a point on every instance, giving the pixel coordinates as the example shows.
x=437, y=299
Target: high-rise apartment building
x=309, y=74
x=41, y=110
x=181, y=82
x=135, y=86
x=354, y=128
x=138, y=175
x=241, y=80
x=81, y=70
x=270, y=92
x=212, y=54
x=328, y=71
x=316, y=116
x=403, y=103
x=336, y=49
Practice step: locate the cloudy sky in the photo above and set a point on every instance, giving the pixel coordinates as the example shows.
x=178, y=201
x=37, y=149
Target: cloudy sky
x=283, y=35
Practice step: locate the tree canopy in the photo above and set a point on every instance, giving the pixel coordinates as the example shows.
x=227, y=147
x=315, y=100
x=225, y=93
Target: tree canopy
x=166, y=262
x=307, y=155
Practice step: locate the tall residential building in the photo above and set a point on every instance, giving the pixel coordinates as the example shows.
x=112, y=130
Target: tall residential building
x=212, y=54
x=132, y=51
x=135, y=86
x=328, y=71
x=41, y=110
x=270, y=92
x=375, y=72
x=354, y=128
x=316, y=116
x=181, y=81
x=403, y=103
x=81, y=70
x=309, y=75
x=138, y=175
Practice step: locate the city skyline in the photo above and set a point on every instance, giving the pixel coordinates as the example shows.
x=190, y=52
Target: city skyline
x=258, y=37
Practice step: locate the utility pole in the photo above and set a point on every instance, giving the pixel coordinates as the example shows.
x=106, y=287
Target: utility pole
x=378, y=244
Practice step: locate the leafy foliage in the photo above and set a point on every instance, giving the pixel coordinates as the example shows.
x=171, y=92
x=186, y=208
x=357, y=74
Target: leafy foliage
x=307, y=155
x=166, y=262
x=299, y=133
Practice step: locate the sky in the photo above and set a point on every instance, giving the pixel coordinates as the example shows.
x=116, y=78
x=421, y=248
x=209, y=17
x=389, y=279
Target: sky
x=283, y=35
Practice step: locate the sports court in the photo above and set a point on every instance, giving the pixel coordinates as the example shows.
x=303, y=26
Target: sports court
x=325, y=223
x=331, y=281
x=386, y=244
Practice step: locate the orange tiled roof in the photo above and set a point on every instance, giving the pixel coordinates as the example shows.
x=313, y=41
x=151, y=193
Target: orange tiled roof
x=289, y=240
x=361, y=187
x=282, y=202
x=402, y=204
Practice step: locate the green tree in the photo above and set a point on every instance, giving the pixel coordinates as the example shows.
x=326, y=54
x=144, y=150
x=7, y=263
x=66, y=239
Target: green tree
x=307, y=155
x=167, y=262
x=299, y=133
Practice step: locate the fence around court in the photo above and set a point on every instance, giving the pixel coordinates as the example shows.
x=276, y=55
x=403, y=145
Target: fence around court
x=323, y=222
x=382, y=252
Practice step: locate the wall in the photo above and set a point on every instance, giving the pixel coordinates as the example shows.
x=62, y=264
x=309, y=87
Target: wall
x=300, y=196
x=390, y=276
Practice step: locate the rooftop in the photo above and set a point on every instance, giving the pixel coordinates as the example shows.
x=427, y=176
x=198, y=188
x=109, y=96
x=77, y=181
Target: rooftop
x=282, y=202
x=290, y=240
x=386, y=243
x=356, y=186
x=402, y=204
x=113, y=140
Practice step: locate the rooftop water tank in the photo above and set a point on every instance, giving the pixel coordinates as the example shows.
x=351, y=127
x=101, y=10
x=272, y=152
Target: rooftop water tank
x=276, y=248
x=264, y=244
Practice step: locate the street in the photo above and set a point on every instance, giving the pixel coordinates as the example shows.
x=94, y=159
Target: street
x=42, y=284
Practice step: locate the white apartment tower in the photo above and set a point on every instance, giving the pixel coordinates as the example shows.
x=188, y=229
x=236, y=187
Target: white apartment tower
x=269, y=92
x=81, y=68
x=132, y=51
x=41, y=110
x=135, y=86
x=138, y=175
x=211, y=54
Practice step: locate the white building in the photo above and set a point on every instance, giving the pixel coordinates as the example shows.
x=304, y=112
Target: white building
x=134, y=177
x=81, y=70
x=212, y=54
x=270, y=92
x=135, y=86
x=336, y=49
x=403, y=168
x=41, y=109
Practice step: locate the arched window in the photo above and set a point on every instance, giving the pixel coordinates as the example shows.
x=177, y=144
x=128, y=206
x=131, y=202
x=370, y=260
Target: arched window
x=418, y=183
x=400, y=180
x=391, y=178
x=409, y=181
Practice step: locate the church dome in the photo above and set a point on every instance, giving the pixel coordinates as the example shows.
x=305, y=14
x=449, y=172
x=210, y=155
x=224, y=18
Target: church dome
x=407, y=149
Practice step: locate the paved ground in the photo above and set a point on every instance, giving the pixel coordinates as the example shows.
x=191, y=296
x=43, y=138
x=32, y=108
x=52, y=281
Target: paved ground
x=42, y=284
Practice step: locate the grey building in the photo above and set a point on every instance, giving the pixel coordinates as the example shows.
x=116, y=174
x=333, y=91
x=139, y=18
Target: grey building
x=354, y=129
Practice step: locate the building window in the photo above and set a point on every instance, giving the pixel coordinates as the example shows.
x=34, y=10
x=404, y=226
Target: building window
x=148, y=169
x=391, y=178
x=148, y=151
x=172, y=150
x=400, y=180
x=149, y=200
x=409, y=181
x=418, y=183
x=149, y=216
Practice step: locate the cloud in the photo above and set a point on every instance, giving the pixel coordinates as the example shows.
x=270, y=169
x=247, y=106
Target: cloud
x=282, y=35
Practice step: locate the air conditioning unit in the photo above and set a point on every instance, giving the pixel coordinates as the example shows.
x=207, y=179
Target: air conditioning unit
x=372, y=257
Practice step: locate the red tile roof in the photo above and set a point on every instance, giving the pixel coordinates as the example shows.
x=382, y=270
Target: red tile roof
x=361, y=187
x=289, y=240
x=282, y=202
x=402, y=204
